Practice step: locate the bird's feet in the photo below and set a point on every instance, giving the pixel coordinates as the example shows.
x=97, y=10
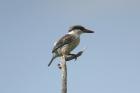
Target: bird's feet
x=74, y=56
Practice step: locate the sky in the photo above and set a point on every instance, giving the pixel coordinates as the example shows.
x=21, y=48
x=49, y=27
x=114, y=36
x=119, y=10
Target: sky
x=110, y=64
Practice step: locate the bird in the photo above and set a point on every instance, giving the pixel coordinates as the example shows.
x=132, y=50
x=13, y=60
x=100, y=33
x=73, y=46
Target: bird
x=68, y=42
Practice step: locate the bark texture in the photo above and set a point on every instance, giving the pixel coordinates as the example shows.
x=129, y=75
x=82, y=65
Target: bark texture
x=64, y=75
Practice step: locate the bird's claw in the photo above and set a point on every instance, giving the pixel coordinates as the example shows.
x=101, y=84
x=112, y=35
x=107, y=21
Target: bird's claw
x=75, y=57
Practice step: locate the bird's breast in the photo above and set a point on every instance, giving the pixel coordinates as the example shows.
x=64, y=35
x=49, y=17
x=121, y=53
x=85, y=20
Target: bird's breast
x=69, y=47
x=74, y=44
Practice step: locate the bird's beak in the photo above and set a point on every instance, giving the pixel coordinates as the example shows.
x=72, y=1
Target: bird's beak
x=88, y=31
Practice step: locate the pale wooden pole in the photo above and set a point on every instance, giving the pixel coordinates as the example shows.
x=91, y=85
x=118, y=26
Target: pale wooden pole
x=63, y=67
x=63, y=75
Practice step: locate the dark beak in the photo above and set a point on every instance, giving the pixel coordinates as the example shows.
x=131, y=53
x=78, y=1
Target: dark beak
x=88, y=31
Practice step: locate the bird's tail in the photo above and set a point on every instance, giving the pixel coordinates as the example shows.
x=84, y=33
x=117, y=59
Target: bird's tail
x=51, y=60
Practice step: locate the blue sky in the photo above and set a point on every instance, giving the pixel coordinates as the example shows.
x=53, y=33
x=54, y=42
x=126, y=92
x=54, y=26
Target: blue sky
x=110, y=64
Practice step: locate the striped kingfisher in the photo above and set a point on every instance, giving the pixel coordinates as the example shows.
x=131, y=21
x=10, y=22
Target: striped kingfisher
x=67, y=43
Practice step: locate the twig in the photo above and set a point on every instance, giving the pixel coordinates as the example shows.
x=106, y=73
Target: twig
x=63, y=75
x=64, y=69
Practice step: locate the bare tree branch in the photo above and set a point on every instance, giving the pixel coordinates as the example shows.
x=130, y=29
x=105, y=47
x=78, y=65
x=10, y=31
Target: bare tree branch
x=64, y=75
x=64, y=69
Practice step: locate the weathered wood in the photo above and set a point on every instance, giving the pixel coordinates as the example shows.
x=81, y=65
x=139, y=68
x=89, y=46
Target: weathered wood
x=63, y=66
x=64, y=75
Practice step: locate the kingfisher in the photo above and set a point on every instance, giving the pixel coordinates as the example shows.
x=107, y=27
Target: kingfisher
x=69, y=42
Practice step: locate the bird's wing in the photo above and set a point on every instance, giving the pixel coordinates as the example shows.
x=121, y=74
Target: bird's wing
x=63, y=41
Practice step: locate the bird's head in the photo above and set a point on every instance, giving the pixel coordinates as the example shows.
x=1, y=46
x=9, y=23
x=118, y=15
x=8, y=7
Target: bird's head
x=77, y=29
